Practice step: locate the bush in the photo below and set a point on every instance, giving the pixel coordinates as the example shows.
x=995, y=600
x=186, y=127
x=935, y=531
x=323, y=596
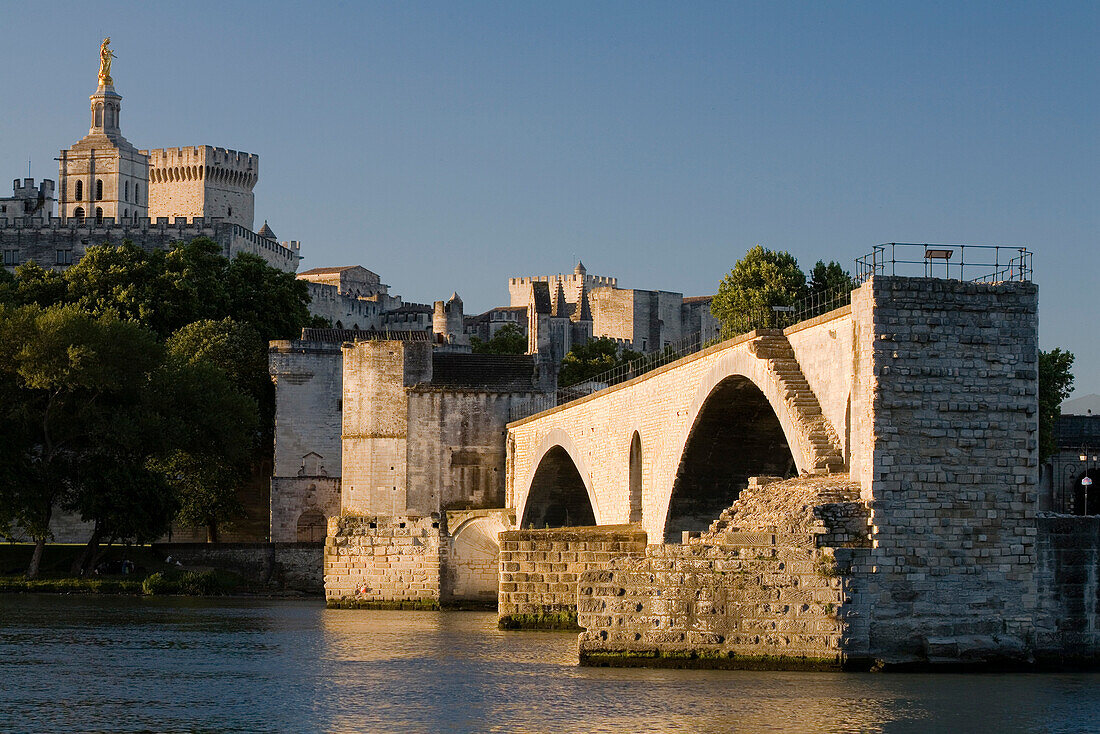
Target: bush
x=199, y=583
x=158, y=583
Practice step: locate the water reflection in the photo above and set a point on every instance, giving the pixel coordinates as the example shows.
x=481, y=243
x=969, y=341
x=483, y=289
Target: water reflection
x=134, y=664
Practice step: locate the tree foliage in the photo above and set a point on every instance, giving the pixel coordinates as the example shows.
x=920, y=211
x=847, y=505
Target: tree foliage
x=759, y=280
x=74, y=384
x=134, y=386
x=831, y=279
x=763, y=279
x=1055, y=385
x=594, y=357
x=509, y=339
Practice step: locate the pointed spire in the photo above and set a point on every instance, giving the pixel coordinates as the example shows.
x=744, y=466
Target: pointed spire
x=557, y=305
x=583, y=311
x=266, y=232
x=580, y=269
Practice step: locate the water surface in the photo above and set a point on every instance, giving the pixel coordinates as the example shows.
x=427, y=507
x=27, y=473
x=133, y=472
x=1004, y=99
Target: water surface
x=85, y=663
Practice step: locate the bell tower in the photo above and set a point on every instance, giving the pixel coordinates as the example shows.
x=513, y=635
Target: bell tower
x=102, y=175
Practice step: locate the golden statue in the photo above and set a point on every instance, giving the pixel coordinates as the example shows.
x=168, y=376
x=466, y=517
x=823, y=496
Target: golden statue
x=105, y=56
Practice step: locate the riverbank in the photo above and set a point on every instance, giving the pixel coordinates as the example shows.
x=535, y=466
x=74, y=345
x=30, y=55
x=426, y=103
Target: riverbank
x=126, y=570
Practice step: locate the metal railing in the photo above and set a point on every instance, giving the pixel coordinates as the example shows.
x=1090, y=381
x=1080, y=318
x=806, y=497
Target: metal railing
x=974, y=263
x=774, y=317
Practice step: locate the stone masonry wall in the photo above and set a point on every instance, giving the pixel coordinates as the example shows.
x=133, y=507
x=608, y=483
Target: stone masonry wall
x=947, y=383
x=1067, y=575
x=293, y=566
x=380, y=560
x=539, y=569
x=769, y=585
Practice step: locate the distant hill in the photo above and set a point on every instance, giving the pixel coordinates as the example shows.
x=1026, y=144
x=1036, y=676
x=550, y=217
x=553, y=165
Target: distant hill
x=1082, y=405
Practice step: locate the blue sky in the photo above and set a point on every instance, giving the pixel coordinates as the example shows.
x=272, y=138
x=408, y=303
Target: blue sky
x=449, y=146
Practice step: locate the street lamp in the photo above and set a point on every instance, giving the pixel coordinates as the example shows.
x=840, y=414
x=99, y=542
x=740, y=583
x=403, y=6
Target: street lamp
x=1086, y=481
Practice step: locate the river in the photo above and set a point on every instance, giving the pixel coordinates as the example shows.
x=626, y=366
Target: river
x=87, y=664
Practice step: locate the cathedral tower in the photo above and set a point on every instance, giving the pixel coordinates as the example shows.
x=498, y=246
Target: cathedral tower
x=103, y=176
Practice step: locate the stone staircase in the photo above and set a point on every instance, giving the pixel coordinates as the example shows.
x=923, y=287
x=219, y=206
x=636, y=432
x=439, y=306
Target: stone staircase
x=819, y=434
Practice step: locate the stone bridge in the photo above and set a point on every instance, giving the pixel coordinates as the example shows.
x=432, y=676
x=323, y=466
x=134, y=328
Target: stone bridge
x=672, y=448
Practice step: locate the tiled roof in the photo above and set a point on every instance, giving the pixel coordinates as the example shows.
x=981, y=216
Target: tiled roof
x=339, y=336
x=489, y=372
x=322, y=271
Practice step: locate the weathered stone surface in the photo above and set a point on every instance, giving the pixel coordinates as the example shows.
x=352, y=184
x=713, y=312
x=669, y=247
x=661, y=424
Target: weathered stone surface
x=539, y=569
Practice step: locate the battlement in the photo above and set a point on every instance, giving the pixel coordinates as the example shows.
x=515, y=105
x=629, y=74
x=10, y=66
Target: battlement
x=25, y=189
x=194, y=227
x=203, y=163
x=590, y=281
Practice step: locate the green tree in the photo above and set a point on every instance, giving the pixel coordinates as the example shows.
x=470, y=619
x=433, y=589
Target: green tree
x=759, y=280
x=36, y=285
x=509, y=339
x=829, y=279
x=213, y=432
x=594, y=357
x=1055, y=385
x=66, y=373
x=274, y=303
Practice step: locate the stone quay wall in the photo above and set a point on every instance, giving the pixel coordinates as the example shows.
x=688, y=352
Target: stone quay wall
x=1067, y=574
x=283, y=566
x=540, y=569
x=381, y=560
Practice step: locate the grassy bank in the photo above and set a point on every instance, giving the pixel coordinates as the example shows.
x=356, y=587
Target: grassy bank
x=150, y=574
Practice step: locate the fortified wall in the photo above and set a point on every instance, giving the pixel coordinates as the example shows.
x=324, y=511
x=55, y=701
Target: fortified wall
x=58, y=243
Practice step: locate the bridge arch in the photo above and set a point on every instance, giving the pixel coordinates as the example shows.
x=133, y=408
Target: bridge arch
x=738, y=425
x=559, y=488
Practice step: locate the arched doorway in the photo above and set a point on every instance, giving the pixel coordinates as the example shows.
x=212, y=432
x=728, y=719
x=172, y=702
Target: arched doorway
x=558, y=497
x=635, y=478
x=736, y=435
x=474, y=555
x=312, y=527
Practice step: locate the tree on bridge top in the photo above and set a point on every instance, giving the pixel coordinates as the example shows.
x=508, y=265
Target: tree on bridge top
x=763, y=279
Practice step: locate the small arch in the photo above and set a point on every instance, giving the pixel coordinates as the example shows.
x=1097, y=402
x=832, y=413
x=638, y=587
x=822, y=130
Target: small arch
x=99, y=189
x=80, y=191
x=125, y=213
x=126, y=191
x=137, y=194
x=98, y=115
x=135, y=216
x=558, y=496
x=635, y=478
x=99, y=214
x=339, y=325
x=79, y=213
x=312, y=526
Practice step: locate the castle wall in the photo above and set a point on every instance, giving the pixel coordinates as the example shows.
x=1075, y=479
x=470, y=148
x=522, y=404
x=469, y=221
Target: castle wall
x=58, y=243
x=456, y=456
x=351, y=313
x=375, y=422
x=298, y=496
x=308, y=379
